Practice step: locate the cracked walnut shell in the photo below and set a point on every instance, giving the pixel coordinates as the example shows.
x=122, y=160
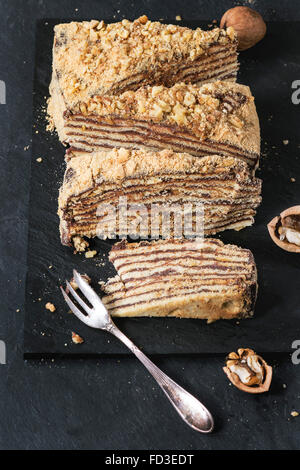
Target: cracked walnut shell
x=285, y=229
x=248, y=371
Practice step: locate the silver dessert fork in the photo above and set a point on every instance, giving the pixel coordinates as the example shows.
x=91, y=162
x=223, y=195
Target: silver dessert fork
x=188, y=407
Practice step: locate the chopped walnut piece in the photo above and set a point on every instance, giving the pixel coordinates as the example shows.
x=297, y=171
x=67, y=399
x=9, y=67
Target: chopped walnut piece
x=80, y=244
x=294, y=414
x=74, y=283
x=142, y=19
x=248, y=371
x=76, y=338
x=90, y=253
x=230, y=32
x=94, y=23
x=50, y=306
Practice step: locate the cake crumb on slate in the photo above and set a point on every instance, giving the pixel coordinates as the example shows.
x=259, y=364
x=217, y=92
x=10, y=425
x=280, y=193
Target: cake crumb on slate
x=80, y=244
x=50, y=306
x=76, y=338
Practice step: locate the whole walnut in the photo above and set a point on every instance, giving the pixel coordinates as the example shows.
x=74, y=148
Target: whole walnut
x=248, y=24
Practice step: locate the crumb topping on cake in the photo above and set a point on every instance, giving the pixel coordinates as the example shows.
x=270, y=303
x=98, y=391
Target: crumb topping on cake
x=120, y=164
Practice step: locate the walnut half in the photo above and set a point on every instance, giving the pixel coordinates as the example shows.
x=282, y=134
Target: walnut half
x=285, y=229
x=248, y=371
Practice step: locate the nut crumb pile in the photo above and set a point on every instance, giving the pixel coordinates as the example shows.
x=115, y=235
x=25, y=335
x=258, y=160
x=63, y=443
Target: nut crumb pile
x=50, y=306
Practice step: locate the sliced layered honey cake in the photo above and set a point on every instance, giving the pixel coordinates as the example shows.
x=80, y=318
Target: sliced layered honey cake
x=181, y=278
x=162, y=184
x=216, y=118
x=92, y=58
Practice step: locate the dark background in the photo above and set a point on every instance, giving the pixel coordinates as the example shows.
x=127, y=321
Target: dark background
x=109, y=403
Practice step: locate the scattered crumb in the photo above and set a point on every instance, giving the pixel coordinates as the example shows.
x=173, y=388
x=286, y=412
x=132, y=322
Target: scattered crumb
x=178, y=18
x=76, y=338
x=26, y=148
x=283, y=385
x=17, y=310
x=294, y=414
x=285, y=142
x=90, y=253
x=293, y=180
x=36, y=132
x=39, y=159
x=50, y=267
x=74, y=284
x=80, y=244
x=50, y=306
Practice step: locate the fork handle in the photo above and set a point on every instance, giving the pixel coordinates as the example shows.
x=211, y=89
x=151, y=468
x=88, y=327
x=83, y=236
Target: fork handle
x=191, y=410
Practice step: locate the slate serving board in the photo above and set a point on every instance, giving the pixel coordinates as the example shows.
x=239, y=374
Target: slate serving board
x=269, y=69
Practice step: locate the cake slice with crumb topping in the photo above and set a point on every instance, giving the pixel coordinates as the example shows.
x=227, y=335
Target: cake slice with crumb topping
x=181, y=278
x=167, y=186
x=93, y=58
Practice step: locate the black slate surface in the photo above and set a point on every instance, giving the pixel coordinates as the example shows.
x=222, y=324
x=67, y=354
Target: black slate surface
x=268, y=69
x=110, y=403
